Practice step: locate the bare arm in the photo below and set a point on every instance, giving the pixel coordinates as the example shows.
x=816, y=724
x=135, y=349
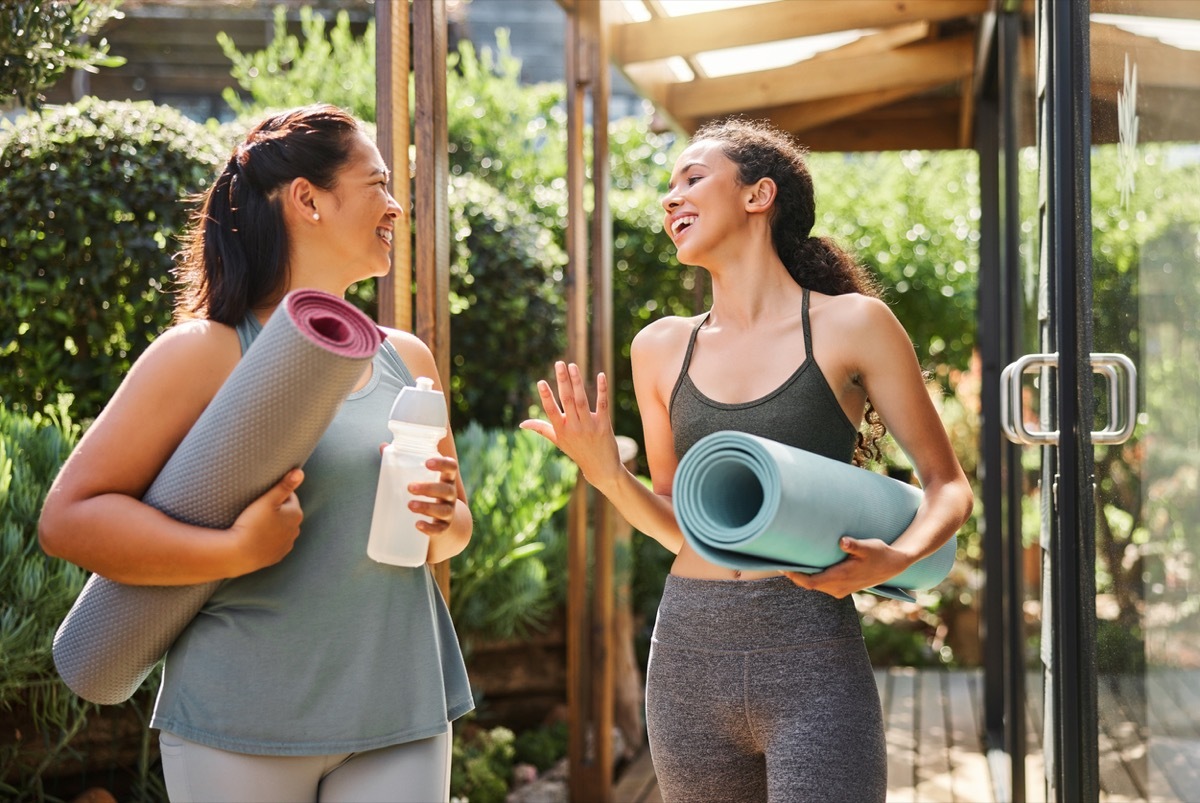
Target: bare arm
x=586, y=437
x=887, y=368
x=93, y=515
x=450, y=522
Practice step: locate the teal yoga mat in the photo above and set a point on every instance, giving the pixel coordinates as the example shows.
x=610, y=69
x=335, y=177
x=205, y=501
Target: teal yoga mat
x=265, y=420
x=751, y=503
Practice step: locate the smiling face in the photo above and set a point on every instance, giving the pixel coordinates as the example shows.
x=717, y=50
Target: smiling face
x=704, y=204
x=359, y=213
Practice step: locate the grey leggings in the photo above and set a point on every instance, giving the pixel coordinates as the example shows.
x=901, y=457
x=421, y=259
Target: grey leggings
x=416, y=772
x=761, y=690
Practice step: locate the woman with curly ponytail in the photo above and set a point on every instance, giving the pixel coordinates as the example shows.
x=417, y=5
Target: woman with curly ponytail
x=759, y=686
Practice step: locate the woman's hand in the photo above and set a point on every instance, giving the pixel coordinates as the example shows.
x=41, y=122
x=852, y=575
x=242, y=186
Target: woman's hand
x=267, y=529
x=869, y=562
x=583, y=435
x=443, y=492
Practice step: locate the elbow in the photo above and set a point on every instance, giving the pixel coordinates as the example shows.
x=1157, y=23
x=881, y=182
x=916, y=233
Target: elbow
x=967, y=503
x=49, y=530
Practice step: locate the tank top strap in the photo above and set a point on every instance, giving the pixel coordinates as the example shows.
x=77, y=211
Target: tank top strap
x=687, y=357
x=808, y=349
x=396, y=362
x=247, y=330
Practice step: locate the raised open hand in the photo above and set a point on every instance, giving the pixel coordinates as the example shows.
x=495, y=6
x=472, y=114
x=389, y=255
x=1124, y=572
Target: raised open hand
x=584, y=435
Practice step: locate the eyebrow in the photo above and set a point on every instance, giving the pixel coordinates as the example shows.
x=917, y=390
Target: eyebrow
x=685, y=168
x=382, y=171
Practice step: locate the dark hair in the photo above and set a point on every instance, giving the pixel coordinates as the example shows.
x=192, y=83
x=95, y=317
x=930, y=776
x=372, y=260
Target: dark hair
x=235, y=255
x=762, y=151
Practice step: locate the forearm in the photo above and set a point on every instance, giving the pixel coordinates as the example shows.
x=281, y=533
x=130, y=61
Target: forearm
x=128, y=541
x=646, y=511
x=454, y=538
x=941, y=514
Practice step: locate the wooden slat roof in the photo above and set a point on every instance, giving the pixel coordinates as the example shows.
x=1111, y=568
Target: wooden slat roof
x=905, y=75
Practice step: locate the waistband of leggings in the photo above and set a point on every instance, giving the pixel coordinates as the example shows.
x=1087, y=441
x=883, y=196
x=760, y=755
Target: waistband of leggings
x=750, y=614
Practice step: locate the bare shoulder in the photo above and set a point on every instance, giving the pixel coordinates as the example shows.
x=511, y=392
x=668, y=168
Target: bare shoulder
x=414, y=352
x=854, y=315
x=663, y=338
x=197, y=351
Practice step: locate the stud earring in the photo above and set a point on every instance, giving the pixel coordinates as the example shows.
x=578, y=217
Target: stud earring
x=316, y=216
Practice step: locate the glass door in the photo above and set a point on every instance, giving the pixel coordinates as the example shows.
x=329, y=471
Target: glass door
x=1145, y=254
x=1108, y=403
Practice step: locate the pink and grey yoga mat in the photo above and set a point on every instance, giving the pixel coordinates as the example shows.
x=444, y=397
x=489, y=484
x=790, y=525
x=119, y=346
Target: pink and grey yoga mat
x=265, y=420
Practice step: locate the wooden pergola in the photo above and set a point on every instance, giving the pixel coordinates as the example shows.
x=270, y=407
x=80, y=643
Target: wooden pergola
x=874, y=75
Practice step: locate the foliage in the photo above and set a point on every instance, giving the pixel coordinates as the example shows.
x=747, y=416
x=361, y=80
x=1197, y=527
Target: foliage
x=508, y=324
x=1146, y=291
x=543, y=747
x=42, y=39
x=298, y=70
x=517, y=483
x=913, y=218
x=36, y=593
x=481, y=765
x=90, y=205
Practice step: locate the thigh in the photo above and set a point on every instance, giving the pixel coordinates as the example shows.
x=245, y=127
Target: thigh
x=196, y=773
x=696, y=722
x=413, y=772
x=819, y=711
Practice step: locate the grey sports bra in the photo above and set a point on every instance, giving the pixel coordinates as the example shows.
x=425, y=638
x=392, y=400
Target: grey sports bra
x=802, y=412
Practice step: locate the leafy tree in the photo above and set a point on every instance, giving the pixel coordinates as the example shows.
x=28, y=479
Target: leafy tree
x=42, y=39
x=298, y=70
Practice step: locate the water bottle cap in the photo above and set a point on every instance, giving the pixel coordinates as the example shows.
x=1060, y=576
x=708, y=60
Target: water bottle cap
x=420, y=404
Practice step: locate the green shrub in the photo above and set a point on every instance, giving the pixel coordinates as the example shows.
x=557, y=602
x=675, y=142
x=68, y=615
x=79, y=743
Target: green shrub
x=36, y=593
x=481, y=764
x=90, y=206
x=505, y=296
x=517, y=483
x=543, y=747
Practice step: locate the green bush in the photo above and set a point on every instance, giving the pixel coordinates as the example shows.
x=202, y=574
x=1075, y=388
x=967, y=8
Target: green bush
x=36, y=593
x=517, y=483
x=481, y=764
x=543, y=747
x=509, y=320
x=90, y=206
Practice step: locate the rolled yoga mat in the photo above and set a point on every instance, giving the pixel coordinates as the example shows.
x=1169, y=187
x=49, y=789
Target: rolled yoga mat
x=264, y=421
x=751, y=503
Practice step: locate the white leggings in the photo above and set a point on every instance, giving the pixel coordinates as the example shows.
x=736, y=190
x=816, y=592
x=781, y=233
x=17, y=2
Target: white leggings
x=413, y=772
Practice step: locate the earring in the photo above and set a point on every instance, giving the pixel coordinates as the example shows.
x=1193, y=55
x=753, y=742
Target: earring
x=316, y=216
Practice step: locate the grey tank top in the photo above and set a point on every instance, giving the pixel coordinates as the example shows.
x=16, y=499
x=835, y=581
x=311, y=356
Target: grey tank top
x=802, y=412
x=327, y=651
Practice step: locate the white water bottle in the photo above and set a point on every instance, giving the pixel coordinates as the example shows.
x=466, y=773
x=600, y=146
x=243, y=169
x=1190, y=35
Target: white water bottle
x=418, y=422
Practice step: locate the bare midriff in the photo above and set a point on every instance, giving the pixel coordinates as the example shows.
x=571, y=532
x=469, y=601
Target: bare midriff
x=689, y=564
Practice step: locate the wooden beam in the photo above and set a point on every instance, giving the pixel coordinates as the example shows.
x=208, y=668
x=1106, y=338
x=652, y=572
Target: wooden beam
x=772, y=22
x=815, y=113
x=887, y=39
x=938, y=62
x=394, y=135
x=925, y=122
x=1157, y=64
x=1174, y=9
x=966, y=113
x=431, y=216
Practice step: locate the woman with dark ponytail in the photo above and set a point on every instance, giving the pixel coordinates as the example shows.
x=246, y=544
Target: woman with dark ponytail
x=313, y=672
x=759, y=687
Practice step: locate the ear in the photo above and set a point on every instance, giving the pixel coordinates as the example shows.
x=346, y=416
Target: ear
x=761, y=195
x=300, y=199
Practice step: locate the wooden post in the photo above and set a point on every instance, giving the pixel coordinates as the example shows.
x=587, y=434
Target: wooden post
x=590, y=617
x=431, y=207
x=393, y=135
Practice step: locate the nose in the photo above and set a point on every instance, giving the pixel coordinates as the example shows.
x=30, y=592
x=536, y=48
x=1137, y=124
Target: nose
x=671, y=201
x=394, y=209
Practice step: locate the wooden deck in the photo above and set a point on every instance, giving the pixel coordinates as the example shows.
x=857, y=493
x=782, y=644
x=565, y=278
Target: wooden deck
x=936, y=752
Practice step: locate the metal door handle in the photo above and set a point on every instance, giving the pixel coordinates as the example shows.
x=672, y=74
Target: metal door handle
x=1121, y=417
